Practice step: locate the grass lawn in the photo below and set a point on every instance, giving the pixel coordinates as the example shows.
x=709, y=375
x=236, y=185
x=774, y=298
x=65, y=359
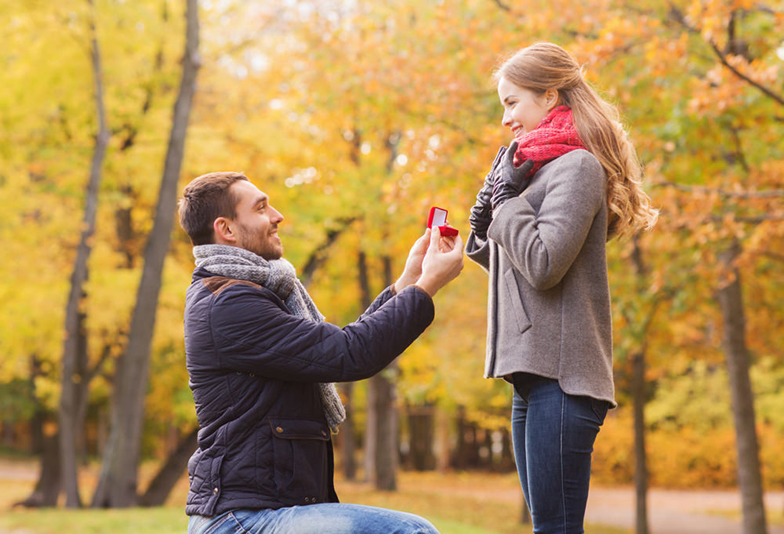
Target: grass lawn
x=455, y=503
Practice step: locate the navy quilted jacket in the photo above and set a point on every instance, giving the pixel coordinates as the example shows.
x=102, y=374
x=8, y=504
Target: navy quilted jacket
x=254, y=369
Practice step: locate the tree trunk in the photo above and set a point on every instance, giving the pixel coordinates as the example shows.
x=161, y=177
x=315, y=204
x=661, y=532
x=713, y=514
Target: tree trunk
x=347, y=445
x=386, y=428
x=371, y=432
x=37, y=421
x=118, y=482
x=47, y=489
x=370, y=419
x=640, y=458
x=638, y=401
x=442, y=451
x=170, y=473
x=737, y=356
x=507, y=462
x=421, y=424
x=459, y=460
x=386, y=414
x=73, y=363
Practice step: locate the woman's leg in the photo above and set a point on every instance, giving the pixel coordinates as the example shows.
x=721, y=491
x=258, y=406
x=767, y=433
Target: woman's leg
x=519, y=410
x=560, y=433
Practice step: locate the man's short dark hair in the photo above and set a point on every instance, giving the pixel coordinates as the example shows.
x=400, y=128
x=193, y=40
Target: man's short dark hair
x=205, y=199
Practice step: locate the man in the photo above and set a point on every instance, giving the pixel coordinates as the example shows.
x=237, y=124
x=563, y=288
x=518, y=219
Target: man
x=262, y=361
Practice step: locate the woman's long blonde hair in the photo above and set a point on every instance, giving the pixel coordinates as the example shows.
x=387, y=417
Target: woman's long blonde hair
x=545, y=66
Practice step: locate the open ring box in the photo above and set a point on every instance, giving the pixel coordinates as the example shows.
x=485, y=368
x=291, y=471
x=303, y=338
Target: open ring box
x=438, y=218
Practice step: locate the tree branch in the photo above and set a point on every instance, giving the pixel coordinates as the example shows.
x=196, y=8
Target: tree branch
x=318, y=256
x=773, y=256
x=502, y=6
x=678, y=16
x=736, y=72
x=770, y=193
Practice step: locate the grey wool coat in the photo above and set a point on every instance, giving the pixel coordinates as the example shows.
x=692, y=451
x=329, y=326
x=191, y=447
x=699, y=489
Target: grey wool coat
x=549, y=298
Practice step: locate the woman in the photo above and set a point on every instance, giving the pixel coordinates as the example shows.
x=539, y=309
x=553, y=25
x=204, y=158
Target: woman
x=569, y=182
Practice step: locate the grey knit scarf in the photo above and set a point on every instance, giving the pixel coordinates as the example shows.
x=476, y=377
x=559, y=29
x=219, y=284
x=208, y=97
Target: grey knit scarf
x=280, y=277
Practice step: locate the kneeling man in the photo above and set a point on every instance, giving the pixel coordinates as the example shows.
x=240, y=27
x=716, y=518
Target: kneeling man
x=262, y=363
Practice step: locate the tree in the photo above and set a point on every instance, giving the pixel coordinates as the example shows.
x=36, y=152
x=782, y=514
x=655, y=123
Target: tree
x=117, y=486
x=73, y=397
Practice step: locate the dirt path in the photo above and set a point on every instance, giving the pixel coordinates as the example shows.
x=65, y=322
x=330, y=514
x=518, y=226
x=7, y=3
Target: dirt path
x=669, y=511
x=676, y=511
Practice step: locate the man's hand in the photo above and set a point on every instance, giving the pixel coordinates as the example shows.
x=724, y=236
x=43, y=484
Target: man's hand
x=508, y=178
x=481, y=212
x=442, y=263
x=413, y=268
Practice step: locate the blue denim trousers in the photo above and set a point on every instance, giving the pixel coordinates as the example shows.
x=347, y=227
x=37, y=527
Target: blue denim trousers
x=553, y=435
x=327, y=518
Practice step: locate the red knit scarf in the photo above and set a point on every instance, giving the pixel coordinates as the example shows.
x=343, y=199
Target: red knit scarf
x=553, y=137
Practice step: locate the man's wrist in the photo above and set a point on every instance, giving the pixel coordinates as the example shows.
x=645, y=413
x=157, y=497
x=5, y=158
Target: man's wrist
x=428, y=285
x=403, y=282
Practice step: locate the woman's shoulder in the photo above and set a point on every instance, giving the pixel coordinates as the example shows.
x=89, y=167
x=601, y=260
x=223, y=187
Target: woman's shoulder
x=579, y=165
x=580, y=159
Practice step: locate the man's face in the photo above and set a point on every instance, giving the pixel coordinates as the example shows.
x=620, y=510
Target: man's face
x=256, y=222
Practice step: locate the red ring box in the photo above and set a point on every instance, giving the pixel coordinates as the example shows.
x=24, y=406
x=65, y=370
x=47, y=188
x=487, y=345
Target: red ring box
x=438, y=217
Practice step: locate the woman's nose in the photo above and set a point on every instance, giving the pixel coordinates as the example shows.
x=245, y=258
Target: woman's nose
x=506, y=120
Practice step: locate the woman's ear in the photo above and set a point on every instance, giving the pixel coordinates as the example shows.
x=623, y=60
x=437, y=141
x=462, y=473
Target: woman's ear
x=224, y=231
x=551, y=98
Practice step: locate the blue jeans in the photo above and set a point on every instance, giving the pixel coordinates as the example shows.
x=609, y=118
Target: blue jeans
x=553, y=435
x=327, y=518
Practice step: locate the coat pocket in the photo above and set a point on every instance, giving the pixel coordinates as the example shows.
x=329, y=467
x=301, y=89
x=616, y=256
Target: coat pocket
x=515, y=303
x=301, y=464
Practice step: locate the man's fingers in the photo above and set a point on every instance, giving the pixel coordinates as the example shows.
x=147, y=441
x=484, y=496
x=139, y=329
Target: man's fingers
x=458, y=245
x=435, y=235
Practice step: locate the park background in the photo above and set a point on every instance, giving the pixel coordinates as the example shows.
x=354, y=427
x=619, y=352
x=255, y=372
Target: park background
x=356, y=117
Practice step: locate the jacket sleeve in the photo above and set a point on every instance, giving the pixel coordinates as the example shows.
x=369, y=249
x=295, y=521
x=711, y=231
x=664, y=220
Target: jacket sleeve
x=543, y=245
x=253, y=334
x=478, y=250
x=380, y=300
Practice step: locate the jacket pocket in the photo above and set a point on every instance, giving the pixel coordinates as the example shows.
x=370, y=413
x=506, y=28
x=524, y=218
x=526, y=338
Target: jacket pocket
x=301, y=466
x=204, y=470
x=513, y=297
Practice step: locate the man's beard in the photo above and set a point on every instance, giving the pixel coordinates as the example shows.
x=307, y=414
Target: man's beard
x=255, y=243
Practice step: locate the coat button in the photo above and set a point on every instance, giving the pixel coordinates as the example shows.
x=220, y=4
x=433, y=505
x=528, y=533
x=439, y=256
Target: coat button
x=279, y=429
x=215, y=491
x=251, y=374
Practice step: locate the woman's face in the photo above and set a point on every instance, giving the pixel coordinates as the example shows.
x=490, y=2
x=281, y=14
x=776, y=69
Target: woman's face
x=523, y=108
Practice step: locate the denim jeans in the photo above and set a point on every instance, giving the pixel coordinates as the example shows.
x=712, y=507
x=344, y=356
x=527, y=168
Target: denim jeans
x=553, y=435
x=328, y=518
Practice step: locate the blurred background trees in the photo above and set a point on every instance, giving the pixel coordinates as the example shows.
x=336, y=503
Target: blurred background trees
x=356, y=117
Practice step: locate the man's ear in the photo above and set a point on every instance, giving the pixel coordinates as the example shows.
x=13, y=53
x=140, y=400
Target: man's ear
x=224, y=231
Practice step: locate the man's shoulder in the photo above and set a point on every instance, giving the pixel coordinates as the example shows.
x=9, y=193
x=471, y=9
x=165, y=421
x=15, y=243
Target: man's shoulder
x=218, y=284
x=226, y=291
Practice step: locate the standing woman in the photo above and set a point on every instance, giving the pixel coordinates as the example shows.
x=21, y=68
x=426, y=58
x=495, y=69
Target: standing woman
x=569, y=182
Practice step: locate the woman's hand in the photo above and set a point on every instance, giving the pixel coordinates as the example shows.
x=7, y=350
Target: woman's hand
x=482, y=211
x=509, y=179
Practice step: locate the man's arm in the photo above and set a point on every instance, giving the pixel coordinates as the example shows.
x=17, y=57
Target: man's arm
x=254, y=335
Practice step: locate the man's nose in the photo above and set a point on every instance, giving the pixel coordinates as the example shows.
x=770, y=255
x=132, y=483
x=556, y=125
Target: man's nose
x=276, y=215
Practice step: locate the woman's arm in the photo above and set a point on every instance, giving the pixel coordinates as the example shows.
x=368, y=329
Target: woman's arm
x=543, y=245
